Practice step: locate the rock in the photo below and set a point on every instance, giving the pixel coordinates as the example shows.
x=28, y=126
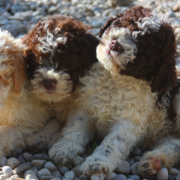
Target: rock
x=41, y=156
x=7, y=170
x=28, y=157
x=63, y=169
x=30, y=175
x=21, y=159
x=18, y=151
x=44, y=172
x=56, y=174
x=83, y=177
x=170, y=14
x=136, y=151
x=131, y=161
x=13, y=162
x=14, y=177
x=135, y=177
x=98, y=176
x=123, y=168
x=137, y=158
x=21, y=168
x=172, y=177
x=134, y=168
x=39, y=164
x=67, y=178
x=47, y=177
x=178, y=177
x=96, y=23
x=174, y=171
x=56, y=179
x=70, y=174
x=3, y=161
x=162, y=174
x=3, y=177
x=50, y=166
x=120, y=177
x=76, y=178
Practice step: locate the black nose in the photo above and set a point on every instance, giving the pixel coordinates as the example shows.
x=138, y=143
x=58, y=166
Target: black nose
x=49, y=83
x=116, y=46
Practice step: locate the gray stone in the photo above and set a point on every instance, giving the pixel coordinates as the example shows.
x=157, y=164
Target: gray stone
x=66, y=178
x=162, y=174
x=56, y=174
x=13, y=177
x=172, y=177
x=178, y=177
x=63, y=169
x=134, y=168
x=120, y=177
x=21, y=159
x=55, y=179
x=123, y=168
x=41, y=156
x=111, y=176
x=28, y=157
x=30, y=175
x=137, y=158
x=136, y=151
x=21, y=168
x=44, y=172
x=131, y=161
x=39, y=164
x=174, y=171
x=7, y=170
x=96, y=23
x=13, y=162
x=83, y=177
x=3, y=177
x=98, y=176
x=34, y=170
x=3, y=161
x=50, y=166
x=70, y=174
x=170, y=14
x=135, y=177
x=47, y=177
x=18, y=151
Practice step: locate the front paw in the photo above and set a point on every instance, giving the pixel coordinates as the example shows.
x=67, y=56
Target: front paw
x=64, y=154
x=150, y=166
x=36, y=143
x=96, y=165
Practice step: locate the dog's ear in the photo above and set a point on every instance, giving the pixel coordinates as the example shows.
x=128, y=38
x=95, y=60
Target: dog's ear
x=165, y=75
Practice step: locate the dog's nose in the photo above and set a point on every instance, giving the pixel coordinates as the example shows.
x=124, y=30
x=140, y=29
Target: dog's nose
x=116, y=46
x=49, y=83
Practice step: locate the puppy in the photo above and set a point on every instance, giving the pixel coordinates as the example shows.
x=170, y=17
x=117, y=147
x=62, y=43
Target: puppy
x=21, y=113
x=130, y=97
x=59, y=51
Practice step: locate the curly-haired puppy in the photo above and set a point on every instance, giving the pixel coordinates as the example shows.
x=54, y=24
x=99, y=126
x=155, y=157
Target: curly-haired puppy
x=59, y=51
x=127, y=98
x=21, y=113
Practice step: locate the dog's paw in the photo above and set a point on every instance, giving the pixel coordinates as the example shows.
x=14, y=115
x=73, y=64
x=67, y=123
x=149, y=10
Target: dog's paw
x=64, y=156
x=150, y=166
x=36, y=143
x=95, y=166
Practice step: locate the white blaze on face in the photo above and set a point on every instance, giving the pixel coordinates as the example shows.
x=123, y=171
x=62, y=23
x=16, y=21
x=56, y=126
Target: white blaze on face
x=113, y=61
x=62, y=89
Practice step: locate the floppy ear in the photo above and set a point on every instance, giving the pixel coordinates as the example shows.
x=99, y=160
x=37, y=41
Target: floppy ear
x=165, y=75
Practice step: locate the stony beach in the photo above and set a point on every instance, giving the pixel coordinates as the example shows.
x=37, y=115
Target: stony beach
x=18, y=17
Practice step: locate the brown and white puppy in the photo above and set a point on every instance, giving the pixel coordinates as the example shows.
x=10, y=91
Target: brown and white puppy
x=21, y=113
x=59, y=51
x=127, y=98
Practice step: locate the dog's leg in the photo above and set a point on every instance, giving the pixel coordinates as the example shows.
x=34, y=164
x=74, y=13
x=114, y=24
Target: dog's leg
x=10, y=138
x=115, y=147
x=77, y=133
x=41, y=140
x=165, y=154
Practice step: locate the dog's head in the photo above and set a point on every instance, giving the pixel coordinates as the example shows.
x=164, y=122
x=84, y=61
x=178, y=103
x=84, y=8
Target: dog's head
x=140, y=44
x=12, y=70
x=59, y=51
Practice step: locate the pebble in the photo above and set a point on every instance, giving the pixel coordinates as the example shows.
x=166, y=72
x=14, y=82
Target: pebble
x=98, y=176
x=28, y=157
x=66, y=178
x=137, y=158
x=44, y=172
x=47, y=177
x=123, y=168
x=136, y=151
x=13, y=177
x=30, y=175
x=70, y=174
x=21, y=168
x=50, y=166
x=18, y=151
x=134, y=168
x=178, y=177
x=41, y=156
x=7, y=170
x=63, y=169
x=56, y=174
x=39, y=164
x=120, y=177
x=174, y=171
x=111, y=176
x=83, y=177
x=13, y=162
x=162, y=174
x=21, y=159
x=3, y=161
x=135, y=177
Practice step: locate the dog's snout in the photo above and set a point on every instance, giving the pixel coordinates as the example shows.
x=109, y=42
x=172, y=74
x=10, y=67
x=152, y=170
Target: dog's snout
x=49, y=83
x=116, y=46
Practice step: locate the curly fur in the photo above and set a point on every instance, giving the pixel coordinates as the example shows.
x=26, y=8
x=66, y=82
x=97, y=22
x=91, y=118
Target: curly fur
x=129, y=98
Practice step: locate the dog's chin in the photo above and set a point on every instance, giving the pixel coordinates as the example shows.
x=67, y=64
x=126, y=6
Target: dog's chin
x=106, y=58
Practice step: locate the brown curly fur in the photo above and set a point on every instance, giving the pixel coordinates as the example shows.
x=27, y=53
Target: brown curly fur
x=76, y=56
